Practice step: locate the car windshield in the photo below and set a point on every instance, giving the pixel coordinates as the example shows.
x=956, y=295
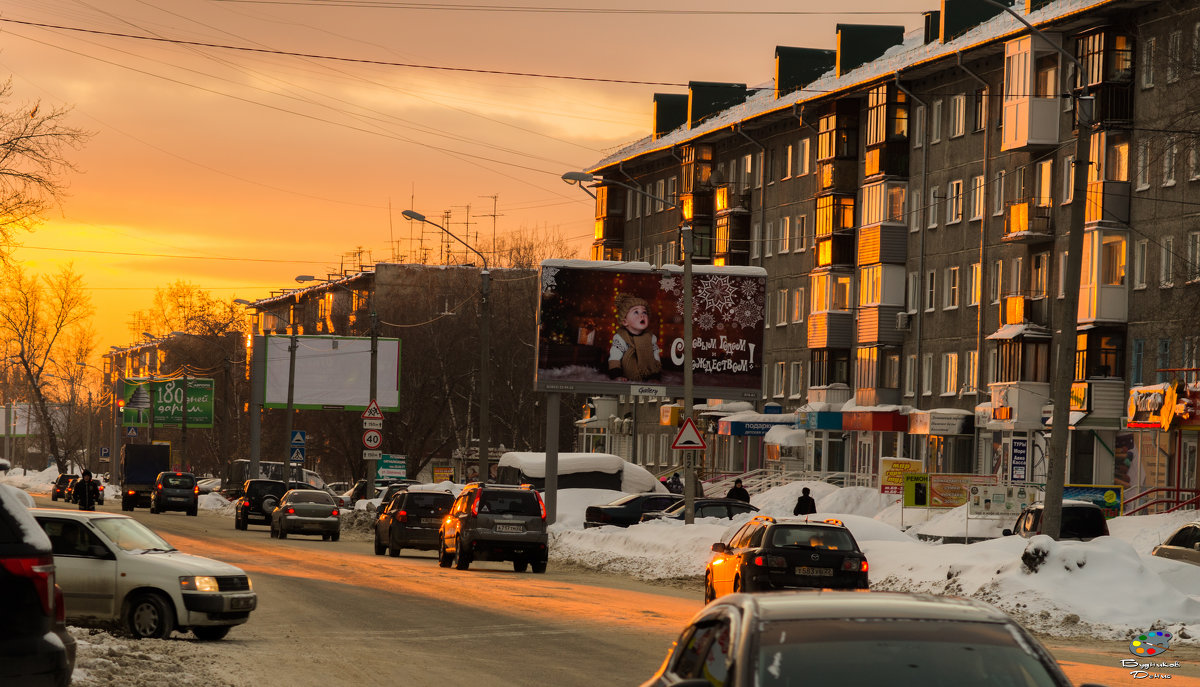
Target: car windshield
x=806, y=537
x=509, y=503
x=439, y=501
x=1082, y=523
x=903, y=653
x=178, y=481
x=311, y=497
x=130, y=535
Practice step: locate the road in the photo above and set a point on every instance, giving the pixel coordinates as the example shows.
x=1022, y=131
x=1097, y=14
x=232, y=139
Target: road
x=341, y=614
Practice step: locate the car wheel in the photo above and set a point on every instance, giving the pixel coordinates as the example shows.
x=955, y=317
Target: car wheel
x=444, y=558
x=192, y=512
x=520, y=565
x=335, y=536
x=53, y=496
x=380, y=547
x=538, y=567
x=709, y=592
x=462, y=560
x=324, y=537
x=149, y=617
x=210, y=633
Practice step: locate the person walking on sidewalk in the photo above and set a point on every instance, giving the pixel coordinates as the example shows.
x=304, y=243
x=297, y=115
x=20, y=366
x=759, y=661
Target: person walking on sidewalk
x=738, y=492
x=805, y=505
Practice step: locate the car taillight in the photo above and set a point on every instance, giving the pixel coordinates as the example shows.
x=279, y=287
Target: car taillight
x=335, y=513
x=852, y=564
x=475, y=503
x=402, y=516
x=291, y=511
x=131, y=493
x=770, y=561
x=39, y=569
x=196, y=489
x=246, y=503
x=101, y=487
x=159, y=487
x=541, y=504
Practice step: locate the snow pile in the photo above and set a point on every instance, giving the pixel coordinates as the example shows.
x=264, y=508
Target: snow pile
x=573, y=503
x=658, y=550
x=103, y=659
x=216, y=503
x=32, y=481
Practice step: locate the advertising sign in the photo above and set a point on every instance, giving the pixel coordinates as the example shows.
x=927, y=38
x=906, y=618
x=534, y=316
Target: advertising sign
x=1146, y=403
x=603, y=325
x=1004, y=501
x=443, y=474
x=331, y=373
x=892, y=472
x=163, y=399
x=916, y=490
x=1109, y=497
x=952, y=490
x=1019, y=467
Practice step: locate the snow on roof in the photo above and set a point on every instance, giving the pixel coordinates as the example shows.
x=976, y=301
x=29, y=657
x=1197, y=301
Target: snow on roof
x=615, y=266
x=534, y=464
x=784, y=436
x=1012, y=331
x=911, y=52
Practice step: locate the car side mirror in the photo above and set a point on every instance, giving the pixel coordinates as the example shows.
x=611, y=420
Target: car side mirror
x=1007, y=533
x=720, y=547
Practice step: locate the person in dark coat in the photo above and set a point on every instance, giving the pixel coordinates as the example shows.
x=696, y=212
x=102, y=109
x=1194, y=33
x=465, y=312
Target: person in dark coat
x=86, y=492
x=805, y=505
x=675, y=484
x=738, y=492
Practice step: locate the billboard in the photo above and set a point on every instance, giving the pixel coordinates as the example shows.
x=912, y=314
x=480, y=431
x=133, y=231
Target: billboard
x=617, y=328
x=332, y=373
x=892, y=472
x=163, y=400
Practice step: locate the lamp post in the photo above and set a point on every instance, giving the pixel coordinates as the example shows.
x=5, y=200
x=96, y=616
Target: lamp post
x=485, y=345
x=685, y=241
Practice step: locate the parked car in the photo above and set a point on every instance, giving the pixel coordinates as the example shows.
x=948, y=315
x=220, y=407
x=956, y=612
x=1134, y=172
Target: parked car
x=705, y=508
x=1080, y=520
x=60, y=489
x=35, y=647
x=307, y=511
x=1182, y=545
x=209, y=484
x=766, y=554
x=497, y=523
x=853, y=638
x=113, y=569
x=175, y=491
x=390, y=491
x=258, y=500
x=628, y=510
x=411, y=520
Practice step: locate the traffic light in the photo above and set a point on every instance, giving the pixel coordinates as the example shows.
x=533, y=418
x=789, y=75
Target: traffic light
x=121, y=404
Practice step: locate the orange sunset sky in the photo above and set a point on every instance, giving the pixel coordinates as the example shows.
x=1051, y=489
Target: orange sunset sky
x=239, y=170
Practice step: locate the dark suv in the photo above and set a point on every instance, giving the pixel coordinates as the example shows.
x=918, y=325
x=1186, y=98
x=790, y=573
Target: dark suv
x=258, y=500
x=35, y=648
x=61, y=488
x=1080, y=520
x=497, y=523
x=175, y=491
x=411, y=521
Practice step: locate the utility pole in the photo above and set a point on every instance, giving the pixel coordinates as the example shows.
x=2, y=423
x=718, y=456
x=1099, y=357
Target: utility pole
x=495, y=200
x=287, y=423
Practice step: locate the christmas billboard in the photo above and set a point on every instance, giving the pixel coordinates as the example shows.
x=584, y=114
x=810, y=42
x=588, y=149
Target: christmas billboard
x=617, y=327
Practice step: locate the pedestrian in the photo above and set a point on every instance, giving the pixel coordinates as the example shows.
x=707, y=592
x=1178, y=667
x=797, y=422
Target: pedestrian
x=738, y=492
x=805, y=505
x=86, y=492
x=675, y=485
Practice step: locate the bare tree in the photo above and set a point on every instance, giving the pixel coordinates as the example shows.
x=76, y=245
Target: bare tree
x=43, y=318
x=528, y=247
x=185, y=307
x=33, y=142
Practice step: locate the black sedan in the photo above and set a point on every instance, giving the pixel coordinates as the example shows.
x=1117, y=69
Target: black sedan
x=704, y=508
x=628, y=510
x=411, y=520
x=855, y=638
x=765, y=554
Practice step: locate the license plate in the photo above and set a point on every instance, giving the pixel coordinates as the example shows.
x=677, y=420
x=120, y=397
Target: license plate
x=510, y=528
x=814, y=572
x=430, y=521
x=241, y=603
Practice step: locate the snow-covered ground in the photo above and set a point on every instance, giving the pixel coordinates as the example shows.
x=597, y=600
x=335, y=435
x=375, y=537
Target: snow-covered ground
x=1107, y=588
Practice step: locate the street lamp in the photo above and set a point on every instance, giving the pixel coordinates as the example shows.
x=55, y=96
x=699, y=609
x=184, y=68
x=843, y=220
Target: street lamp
x=685, y=241
x=485, y=352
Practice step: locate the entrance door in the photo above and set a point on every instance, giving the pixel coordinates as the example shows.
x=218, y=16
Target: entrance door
x=1188, y=478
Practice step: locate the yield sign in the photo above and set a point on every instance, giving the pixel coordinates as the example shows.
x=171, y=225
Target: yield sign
x=689, y=438
x=372, y=412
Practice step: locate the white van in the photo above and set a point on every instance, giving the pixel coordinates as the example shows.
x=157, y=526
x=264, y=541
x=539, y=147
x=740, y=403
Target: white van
x=578, y=471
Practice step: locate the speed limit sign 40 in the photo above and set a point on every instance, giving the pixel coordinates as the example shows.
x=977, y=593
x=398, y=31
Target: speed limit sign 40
x=372, y=438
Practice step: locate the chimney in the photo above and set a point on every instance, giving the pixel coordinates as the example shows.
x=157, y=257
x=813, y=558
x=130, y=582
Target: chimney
x=933, y=26
x=670, y=113
x=858, y=44
x=795, y=68
x=707, y=98
x=960, y=16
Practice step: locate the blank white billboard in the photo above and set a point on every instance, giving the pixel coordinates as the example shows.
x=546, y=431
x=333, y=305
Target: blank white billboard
x=332, y=372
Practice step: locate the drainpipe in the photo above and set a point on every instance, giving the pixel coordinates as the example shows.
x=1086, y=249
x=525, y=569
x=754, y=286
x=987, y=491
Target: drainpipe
x=641, y=217
x=920, y=295
x=983, y=222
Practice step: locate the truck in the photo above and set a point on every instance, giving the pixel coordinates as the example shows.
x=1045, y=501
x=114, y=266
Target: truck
x=140, y=465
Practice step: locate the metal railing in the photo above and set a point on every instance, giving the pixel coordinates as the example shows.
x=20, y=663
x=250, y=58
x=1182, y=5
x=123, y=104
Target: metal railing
x=1178, y=499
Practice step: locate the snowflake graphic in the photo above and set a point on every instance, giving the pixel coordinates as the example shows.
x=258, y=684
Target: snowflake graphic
x=747, y=315
x=750, y=287
x=706, y=321
x=548, y=279
x=716, y=293
x=669, y=284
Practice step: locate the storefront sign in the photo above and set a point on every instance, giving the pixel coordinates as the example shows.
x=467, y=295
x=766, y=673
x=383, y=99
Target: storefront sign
x=823, y=420
x=1020, y=457
x=952, y=490
x=443, y=475
x=866, y=421
x=892, y=472
x=916, y=490
x=1109, y=497
x=1146, y=405
x=939, y=424
x=999, y=500
x=1080, y=396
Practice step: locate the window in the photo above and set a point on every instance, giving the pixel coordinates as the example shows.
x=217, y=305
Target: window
x=913, y=295
x=672, y=183
x=1139, y=263
x=767, y=310
x=1164, y=361
x=919, y=126
x=935, y=124
x=914, y=217
x=769, y=239
x=1044, y=181
x=996, y=280
x=1040, y=276
x=1016, y=277
x=981, y=105
x=1147, y=67
x=1174, y=55
x=935, y=203
x=1143, y=166
x=973, y=284
x=1166, y=253
x=1068, y=193
x=930, y=291
x=797, y=380
x=870, y=285
x=927, y=375
x=1193, y=157
x=1138, y=362
x=977, y=198
x=755, y=237
x=1062, y=274
x=949, y=374
x=798, y=305
x=910, y=376
x=830, y=292
x=758, y=169
x=781, y=308
x=1193, y=256
x=998, y=199
x=801, y=232
x=958, y=115
x=1169, y=162
x=883, y=202
x=785, y=234
x=802, y=153
x=789, y=160
x=971, y=373
x=950, y=300
x=954, y=201
x=780, y=374
x=747, y=170
x=1112, y=261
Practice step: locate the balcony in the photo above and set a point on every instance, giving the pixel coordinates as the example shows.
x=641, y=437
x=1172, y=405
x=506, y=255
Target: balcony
x=1107, y=201
x=830, y=329
x=1114, y=103
x=883, y=243
x=887, y=159
x=1025, y=221
x=838, y=176
x=835, y=250
x=1018, y=405
x=876, y=396
x=877, y=325
x=1026, y=309
x=1103, y=303
x=1030, y=122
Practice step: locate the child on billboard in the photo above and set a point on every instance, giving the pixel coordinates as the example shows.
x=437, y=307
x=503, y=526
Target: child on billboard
x=634, y=354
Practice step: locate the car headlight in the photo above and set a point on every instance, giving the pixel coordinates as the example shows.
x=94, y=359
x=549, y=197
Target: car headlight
x=199, y=584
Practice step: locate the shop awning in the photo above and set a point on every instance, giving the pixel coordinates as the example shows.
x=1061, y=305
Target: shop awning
x=781, y=435
x=941, y=422
x=750, y=424
x=1074, y=418
x=1012, y=331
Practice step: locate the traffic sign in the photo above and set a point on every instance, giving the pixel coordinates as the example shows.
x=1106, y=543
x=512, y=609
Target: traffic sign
x=372, y=455
x=392, y=466
x=372, y=412
x=131, y=432
x=298, y=437
x=689, y=438
x=372, y=438
x=104, y=453
x=372, y=424
x=297, y=456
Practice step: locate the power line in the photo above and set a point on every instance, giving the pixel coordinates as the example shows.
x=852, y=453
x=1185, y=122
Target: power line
x=369, y=4
x=167, y=255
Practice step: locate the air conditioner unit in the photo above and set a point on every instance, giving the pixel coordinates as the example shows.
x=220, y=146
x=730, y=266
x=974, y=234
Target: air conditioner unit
x=903, y=321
